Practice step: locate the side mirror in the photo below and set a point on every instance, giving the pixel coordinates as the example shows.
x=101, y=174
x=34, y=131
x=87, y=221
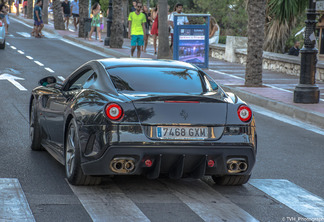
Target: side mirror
x=47, y=80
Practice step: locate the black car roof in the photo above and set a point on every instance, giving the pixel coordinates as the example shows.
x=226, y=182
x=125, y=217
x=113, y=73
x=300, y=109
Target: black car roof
x=130, y=62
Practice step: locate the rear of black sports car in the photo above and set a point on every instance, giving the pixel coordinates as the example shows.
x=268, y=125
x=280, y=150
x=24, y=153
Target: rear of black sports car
x=177, y=134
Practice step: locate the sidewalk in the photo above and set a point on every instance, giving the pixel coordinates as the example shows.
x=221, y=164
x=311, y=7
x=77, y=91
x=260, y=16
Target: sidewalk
x=276, y=94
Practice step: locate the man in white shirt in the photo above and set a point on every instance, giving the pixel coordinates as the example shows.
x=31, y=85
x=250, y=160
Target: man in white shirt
x=182, y=20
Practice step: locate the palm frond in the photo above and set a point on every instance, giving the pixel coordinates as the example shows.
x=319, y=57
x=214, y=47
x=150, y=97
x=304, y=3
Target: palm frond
x=280, y=20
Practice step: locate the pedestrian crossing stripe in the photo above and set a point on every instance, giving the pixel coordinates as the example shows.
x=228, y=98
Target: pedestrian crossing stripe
x=28, y=35
x=293, y=196
x=110, y=203
x=206, y=202
x=14, y=205
x=24, y=34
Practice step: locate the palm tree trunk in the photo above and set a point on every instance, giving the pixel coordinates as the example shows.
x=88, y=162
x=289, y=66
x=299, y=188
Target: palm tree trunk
x=58, y=15
x=256, y=13
x=30, y=14
x=84, y=13
x=164, y=49
x=117, y=30
x=45, y=11
x=125, y=13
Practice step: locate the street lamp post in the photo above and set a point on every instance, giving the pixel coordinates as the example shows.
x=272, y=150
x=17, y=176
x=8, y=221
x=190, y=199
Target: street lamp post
x=109, y=22
x=306, y=91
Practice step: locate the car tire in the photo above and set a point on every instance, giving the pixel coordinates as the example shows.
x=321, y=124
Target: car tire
x=34, y=129
x=231, y=180
x=72, y=164
x=3, y=45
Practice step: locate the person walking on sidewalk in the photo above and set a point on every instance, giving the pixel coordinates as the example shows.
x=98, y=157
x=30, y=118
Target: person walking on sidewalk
x=66, y=12
x=133, y=8
x=147, y=26
x=75, y=13
x=95, y=23
x=136, y=29
x=182, y=20
x=38, y=18
x=155, y=27
x=25, y=3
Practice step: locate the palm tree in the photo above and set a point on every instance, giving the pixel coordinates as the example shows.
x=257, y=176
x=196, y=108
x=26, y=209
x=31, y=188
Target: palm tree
x=83, y=13
x=164, y=49
x=45, y=11
x=253, y=73
x=117, y=28
x=58, y=15
x=281, y=18
x=30, y=14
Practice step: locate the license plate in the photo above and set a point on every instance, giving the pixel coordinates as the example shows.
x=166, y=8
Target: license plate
x=182, y=132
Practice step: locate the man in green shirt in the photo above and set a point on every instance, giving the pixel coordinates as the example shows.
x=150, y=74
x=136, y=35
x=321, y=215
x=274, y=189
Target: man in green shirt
x=136, y=29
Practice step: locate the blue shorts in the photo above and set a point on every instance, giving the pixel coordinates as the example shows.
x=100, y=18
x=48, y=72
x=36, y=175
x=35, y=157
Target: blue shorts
x=137, y=40
x=37, y=23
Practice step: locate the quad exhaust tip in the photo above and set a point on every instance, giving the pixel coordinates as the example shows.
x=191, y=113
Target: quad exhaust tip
x=236, y=165
x=122, y=165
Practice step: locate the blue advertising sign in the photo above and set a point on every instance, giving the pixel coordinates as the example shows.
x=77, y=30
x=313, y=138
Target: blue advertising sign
x=191, y=42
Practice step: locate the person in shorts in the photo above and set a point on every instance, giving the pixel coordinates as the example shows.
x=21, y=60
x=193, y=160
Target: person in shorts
x=75, y=13
x=95, y=22
x=66, y=12
x=38, y=22
x=136, y=29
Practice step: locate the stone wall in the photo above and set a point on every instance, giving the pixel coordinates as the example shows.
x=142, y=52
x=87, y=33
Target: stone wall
x=271, y=61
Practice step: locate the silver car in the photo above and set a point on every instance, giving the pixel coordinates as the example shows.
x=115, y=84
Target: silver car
x=2, y=35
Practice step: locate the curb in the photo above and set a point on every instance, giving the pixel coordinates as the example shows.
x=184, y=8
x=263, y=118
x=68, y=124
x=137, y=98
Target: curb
x=313, y=118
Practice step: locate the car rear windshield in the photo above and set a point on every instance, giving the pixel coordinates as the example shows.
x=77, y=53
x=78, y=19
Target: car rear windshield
x=156, y=79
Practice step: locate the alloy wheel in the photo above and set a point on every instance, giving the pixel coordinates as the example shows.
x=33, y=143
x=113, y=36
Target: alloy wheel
x=70, y=151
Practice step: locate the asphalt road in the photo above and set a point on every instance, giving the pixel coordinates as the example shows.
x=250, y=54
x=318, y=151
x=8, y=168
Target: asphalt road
x=285, y=152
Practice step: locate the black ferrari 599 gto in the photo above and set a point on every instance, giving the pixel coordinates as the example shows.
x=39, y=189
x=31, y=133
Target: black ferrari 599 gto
x=143, y=116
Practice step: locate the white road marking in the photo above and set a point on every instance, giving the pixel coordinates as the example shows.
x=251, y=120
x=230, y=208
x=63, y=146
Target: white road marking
x=21, y=52
x=87, y=48
x=108, y=203
x=206, y=202
x=25, y=34
x=226, y=74
x=21, y=22
x=293, y=196
x=13, y=47
x=49, y=35
x=61, y=78
x=14, y=205
x=287, y=119
x=29, y=57
x=38, y=63
x=49, y=69
x=12, y=79
x=7, y=43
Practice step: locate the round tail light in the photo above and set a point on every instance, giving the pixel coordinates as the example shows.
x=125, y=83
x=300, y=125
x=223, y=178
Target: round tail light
x=211, y=163
x=114, y=111
x=244, y=113
x=148, y=163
